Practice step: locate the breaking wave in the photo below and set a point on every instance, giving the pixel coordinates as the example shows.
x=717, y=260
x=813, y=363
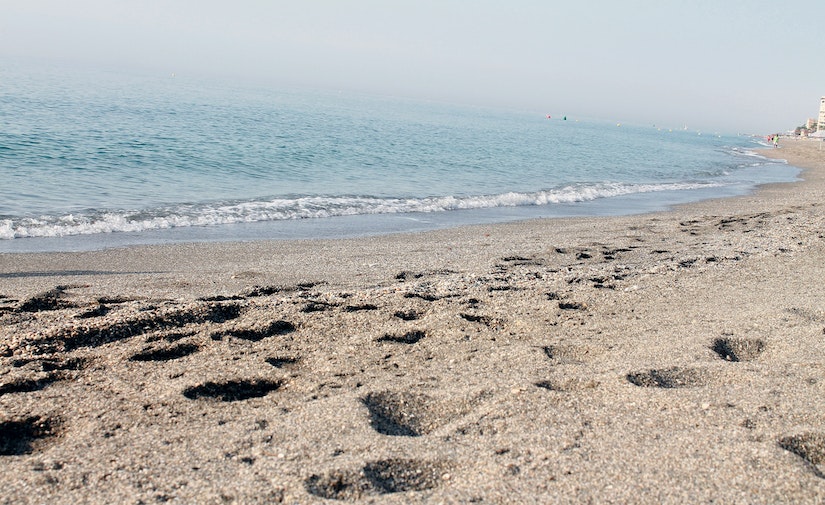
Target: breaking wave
x=310, y=207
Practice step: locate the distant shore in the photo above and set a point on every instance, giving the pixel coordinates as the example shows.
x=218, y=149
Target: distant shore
x=669, y=357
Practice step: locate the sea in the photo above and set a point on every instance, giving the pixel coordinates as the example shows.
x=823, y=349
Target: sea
x=93, y=159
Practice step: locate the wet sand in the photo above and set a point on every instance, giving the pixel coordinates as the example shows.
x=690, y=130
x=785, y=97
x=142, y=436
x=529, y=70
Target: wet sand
x=662, y=358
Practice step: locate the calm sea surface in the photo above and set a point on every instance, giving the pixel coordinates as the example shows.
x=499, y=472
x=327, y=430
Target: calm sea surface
x=91, y=160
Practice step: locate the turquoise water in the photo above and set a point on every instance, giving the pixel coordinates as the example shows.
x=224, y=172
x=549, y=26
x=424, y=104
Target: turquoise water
x=92, y=160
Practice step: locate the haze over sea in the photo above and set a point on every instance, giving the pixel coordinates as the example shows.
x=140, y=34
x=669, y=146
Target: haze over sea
x=92, y=160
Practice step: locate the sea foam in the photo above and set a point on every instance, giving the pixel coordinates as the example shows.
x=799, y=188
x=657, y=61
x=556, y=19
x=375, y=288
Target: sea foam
x=308, y=207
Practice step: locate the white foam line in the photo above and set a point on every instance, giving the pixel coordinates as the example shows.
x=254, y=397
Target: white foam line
x=306, y=208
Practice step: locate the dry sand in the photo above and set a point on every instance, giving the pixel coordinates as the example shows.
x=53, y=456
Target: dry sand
x=663, y=358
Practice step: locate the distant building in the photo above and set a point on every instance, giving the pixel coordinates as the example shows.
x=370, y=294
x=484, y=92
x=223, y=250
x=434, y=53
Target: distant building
x=821, y=123
x=810, y=123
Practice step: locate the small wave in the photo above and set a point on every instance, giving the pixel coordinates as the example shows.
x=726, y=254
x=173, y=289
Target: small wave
x=309, y=207
x=752, y=154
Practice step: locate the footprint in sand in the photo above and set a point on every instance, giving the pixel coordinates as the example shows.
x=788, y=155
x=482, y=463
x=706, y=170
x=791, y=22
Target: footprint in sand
x=571, y=305
x=611, y=254
x=21, y=385
x=410, y=337
x=407, y=275
x=40, y=374
x=285, y=362
x=104, y=332
x=521, y=260
x=51, y=364
x=562, y=354
x=28, y=435
x=808, y=446
x=98, y=310
x=488, y=321
x=260, y=291
x=317, y=306
x=379, y=477
x=738, y=349
x=232, y=390
x=405, y=414
x=257, y=332
x=165, y=353
x=360, y=307
x=675, y=377
x=427, y=297
x=54, y=299
x=401, y=413
x=568, y=384
x=407, y=315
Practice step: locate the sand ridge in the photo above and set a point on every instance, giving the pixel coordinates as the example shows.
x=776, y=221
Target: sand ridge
x=663, y=358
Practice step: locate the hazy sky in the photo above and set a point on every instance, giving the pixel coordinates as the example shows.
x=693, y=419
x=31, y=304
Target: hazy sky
x=726, y=65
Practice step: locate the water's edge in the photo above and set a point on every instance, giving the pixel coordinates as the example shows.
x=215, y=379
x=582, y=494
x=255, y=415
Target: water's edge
x=341, y=227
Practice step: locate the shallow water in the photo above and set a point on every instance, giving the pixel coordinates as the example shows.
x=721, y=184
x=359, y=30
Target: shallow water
x=94, y=160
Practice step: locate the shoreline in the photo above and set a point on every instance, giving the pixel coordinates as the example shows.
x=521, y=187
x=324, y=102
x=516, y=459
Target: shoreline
x=69, y=266
x=667, y=357
x=750, y=175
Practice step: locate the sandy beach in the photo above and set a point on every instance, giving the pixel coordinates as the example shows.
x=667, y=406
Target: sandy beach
x=675, y=357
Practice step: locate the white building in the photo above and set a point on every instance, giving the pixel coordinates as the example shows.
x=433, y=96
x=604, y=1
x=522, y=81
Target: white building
x=820, y=126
